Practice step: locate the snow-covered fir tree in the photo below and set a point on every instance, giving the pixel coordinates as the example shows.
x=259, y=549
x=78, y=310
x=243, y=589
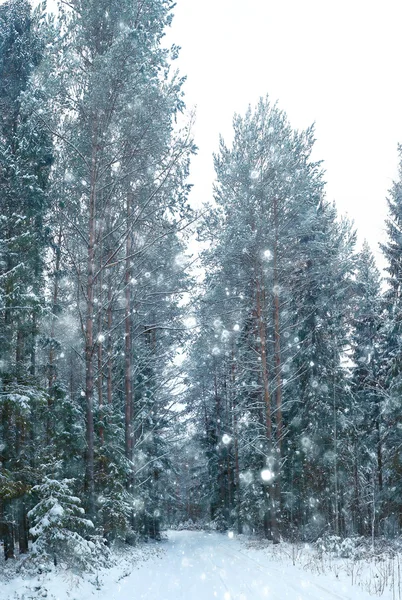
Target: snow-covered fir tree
x=59, y=527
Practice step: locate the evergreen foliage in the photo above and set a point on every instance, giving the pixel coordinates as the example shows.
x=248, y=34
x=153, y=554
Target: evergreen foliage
x=59, y=525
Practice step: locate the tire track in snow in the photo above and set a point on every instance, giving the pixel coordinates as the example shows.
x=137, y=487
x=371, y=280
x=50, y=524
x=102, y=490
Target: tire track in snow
x=230, y=595
x=271, y=594
x=238, y=553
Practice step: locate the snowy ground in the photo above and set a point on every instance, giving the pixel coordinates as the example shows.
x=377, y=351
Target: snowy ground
x=196, y=566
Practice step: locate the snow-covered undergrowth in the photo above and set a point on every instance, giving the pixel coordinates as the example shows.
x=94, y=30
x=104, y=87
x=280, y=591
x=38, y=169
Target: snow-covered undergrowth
x=62, y=583
x=202, y=565
x=377, y=571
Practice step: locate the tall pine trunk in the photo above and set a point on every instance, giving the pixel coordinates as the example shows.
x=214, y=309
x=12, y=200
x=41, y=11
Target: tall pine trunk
x=128, y=347
x=271, y=524
x=278, y=367
x=236, y=451
x=89, y=340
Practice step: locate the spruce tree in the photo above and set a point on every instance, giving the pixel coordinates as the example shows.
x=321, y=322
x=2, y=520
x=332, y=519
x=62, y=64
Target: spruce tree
x=392, y=250
x=369, y=396
x=25, y=160
x=60, y=529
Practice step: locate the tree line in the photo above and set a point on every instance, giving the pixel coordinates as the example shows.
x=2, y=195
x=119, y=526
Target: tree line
x=295, y=373
x=92, y=235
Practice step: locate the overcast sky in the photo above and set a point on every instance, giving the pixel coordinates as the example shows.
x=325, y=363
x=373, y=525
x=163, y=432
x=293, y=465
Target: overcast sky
x=335, y=63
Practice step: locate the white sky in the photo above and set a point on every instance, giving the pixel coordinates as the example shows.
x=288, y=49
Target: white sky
x=333, y=62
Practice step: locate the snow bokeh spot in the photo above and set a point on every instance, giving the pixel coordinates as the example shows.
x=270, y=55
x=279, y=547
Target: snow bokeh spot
x=267, y=475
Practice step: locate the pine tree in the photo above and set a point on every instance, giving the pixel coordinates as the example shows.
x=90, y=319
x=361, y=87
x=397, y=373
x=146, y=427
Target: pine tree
x=269, y=196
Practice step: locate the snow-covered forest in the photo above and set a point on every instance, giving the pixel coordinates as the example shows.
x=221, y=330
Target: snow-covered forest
x=236, y=367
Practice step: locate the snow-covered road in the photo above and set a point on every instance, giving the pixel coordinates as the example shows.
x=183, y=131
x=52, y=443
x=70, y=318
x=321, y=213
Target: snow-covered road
x=205, y=566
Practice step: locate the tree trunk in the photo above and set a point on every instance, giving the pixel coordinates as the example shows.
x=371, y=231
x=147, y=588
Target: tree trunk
x=336, y=491
x=278, y=368
x=264, y=364
x=100, y=354
x=271, y=523
x=128, y=347
x=22, y=527
x=8, y=538
x=110, y=345
x=357, y=525
x=89, y=346
x=277, y=337
x=19, y=352
x=237, y=469
x=33, y=345
x=379, y=456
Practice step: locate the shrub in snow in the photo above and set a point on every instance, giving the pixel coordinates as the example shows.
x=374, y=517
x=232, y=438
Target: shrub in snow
x=114, y=509
x=343, y=548
x=60, y=529
x=185, y=525
x=199, y=525
x=329, y=544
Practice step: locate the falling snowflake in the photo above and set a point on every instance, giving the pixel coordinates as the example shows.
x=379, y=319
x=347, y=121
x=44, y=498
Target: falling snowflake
x=267, y=475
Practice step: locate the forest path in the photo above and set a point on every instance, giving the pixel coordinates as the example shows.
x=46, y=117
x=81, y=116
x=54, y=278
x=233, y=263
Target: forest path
x=209, y=566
